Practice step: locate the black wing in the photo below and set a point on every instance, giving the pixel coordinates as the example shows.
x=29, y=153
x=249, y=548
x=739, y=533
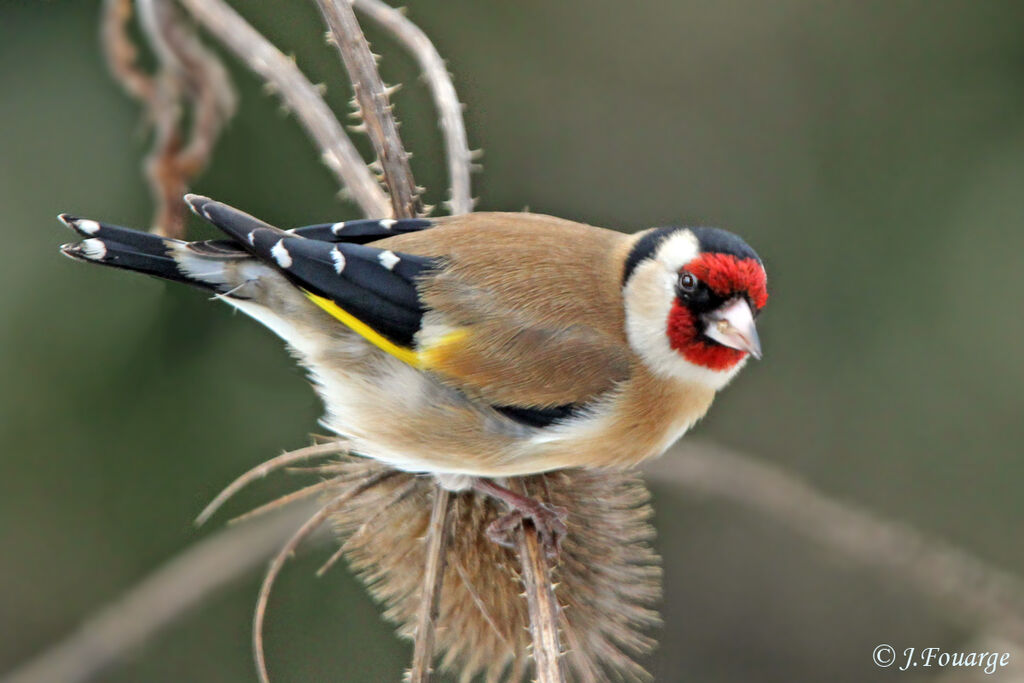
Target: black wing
x=377, y=287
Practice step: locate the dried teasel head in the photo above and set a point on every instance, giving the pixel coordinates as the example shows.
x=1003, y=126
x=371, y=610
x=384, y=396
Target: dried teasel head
x=608, y=576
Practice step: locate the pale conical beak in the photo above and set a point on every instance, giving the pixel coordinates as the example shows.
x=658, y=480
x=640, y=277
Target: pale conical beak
x=732, y=325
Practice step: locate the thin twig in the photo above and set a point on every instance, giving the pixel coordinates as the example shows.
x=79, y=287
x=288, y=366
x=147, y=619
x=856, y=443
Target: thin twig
x=442, y=89
x=286, y=551
x=160, y=599
x=540, y=601
x=433, y=578
x=374, y=105
x=301, y=97
x=287, y=499
x=265, y=468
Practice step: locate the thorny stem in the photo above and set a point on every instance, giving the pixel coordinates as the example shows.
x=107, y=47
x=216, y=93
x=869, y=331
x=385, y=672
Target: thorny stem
x=442, y=89
x=374, y=105
x=433, y=578
x=540, y=600
x=301, y=96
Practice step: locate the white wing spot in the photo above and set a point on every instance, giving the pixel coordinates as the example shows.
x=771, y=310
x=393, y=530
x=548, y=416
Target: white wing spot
x=386, y=223
x=89, y=227
x=388, y=259
x=339, y=260
x=281, y=255
x=94, y=249
x=338, y=227
x=252, y=237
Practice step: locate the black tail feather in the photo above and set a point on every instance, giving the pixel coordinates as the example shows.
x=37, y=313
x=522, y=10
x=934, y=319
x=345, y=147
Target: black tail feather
x=118, y=247
x=237, y=224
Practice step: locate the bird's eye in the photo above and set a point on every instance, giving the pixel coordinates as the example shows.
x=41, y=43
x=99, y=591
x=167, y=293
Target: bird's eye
x=687, y=283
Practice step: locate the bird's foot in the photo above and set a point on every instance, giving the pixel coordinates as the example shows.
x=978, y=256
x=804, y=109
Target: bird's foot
x=548, y=520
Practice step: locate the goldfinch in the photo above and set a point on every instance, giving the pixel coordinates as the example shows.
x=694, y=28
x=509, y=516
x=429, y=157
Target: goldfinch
x=485, y=345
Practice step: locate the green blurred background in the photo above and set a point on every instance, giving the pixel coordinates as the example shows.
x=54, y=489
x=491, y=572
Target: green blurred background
x=873, y=152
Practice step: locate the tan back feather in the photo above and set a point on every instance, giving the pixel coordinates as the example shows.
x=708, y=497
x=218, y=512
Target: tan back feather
x=541, y=297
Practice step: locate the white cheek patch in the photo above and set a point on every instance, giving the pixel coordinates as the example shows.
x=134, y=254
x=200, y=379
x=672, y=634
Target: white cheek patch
x=648, y=300
x=648, y=297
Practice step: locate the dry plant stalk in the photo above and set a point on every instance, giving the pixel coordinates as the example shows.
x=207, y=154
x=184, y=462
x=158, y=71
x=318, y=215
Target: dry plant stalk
x=541, y=603
x=374, y=105
x=446, y=101
x=300, y=96
x=434, y=561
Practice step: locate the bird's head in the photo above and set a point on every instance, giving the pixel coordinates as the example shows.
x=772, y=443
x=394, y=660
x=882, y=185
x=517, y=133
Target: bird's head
x=691, y=296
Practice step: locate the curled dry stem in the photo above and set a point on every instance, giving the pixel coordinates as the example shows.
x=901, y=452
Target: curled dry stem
x=289, y=548
x=187, y=76
x=265, y=468
x=121, y=53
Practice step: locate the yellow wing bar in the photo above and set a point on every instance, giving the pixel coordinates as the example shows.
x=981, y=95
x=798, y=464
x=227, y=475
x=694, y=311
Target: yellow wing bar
x=418, y=359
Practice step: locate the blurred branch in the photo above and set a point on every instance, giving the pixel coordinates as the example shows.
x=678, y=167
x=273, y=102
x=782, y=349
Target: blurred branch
x=301, y=96
x=374, y=105
x=121, y=53
x=989, y=598
x=160, y=599
x=188, y=75
x=433, y=578
x=442, y=89
x=199, y=73
x=308, y=528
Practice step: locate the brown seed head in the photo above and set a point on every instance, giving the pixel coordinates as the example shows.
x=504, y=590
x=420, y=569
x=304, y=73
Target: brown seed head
x=608, y=576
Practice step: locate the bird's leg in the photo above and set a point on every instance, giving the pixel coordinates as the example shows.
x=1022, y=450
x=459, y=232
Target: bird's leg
x=548, y=520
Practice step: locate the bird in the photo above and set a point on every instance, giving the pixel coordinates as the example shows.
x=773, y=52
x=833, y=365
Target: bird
x=486, y=345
